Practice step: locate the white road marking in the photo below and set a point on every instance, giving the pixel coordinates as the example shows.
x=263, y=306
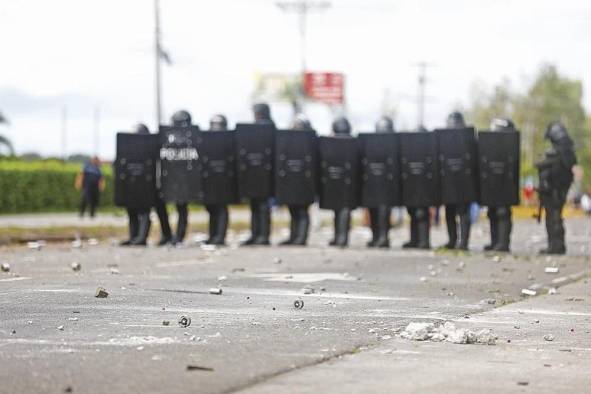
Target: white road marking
x=14, y=279
x=305, y=277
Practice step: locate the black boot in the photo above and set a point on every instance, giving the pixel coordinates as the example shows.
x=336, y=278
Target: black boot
x=302, y=227
x=503, y=229
x=221, y=226
x=423, y=228
x=465, y=224
x=413, y=230
x=382, y=227
x=183, y=222
x=212, y=210
x=373, y=224
x=555, y=230
x=143, y=230
x=264, y=219
x=133, y=226
x=293, y=215
x=342, y=226
x=452, y=226
x=166, y=232
x=494, y=228
x=254, y=222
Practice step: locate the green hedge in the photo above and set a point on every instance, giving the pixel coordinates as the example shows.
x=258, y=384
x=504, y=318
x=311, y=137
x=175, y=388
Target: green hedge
x=44, y=186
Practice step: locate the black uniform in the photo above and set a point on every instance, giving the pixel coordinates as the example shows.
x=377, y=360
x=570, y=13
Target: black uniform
x=499, y=179
x=218, y=211
x=135, y=183
x=339, y=156
x=296, y=176
x=555, y=173
x=180, y=119
x=379, y=214
x=260, y=207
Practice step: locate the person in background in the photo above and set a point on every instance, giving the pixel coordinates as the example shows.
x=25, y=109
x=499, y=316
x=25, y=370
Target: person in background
x=91, y=183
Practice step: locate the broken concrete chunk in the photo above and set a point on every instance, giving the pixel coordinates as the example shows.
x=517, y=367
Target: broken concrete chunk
x=222, y=278
x=418, y=331
x=75, y=267
x=528, y=292
x=101, y=293
x=308, y=290
x=215, y=290
x=486, y=337
x=549, y=337
x=165, y=323
x=61, y=328
x=5, y=267
x=551, y=270
x=447, y=332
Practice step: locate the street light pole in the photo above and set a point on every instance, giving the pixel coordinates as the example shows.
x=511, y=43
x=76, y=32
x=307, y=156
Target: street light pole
x=157, y=54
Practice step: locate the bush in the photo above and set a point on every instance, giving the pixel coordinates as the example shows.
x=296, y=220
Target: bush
x=44, y=186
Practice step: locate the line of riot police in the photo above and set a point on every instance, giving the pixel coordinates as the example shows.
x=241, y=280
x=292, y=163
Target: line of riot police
x=452, y=166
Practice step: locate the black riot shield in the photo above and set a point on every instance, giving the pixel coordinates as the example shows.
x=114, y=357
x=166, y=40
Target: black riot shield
x=218, y=167
x=295, y=166
x=498, y=157
x=339, y=172
x=180, y=167
x=380, y=170
x=458, y=165
x=135, y=170
x=418, y=160
x=254, y=158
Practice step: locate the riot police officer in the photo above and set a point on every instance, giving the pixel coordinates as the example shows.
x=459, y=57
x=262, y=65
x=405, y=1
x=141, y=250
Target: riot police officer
x=455, y=213
x=180, y=118
x=555, y=173
x=260, y=210
x=342, y=217
x=139, y=218
x=500, y=217
x=218, y=213
x=379, y=217
x=300, y=218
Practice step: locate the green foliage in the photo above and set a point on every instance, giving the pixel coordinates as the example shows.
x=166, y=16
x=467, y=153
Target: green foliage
x=43, y=186
x=548, y=98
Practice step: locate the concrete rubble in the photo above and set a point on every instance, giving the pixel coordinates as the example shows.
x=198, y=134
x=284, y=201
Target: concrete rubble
x=419, y=331
x=5, y=267
x=216, y=291
x=101, y=293
x=75, y=267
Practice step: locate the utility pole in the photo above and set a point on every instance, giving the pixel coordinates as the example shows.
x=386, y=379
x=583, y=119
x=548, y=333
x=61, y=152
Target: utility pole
x=422, y=82
x=301, y=8
x=157, y=54
x=96, y=129
x=64, y=132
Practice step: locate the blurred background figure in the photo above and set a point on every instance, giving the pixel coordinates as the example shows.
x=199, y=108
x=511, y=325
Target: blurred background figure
x=91, y=183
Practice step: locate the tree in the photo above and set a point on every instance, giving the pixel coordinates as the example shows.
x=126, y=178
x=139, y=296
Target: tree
x=4, y=141
x=551, y=96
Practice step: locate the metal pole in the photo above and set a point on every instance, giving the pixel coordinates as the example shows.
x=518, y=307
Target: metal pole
x=157, y=54
x=64, y=132
x=421, y=94
x=96, y=124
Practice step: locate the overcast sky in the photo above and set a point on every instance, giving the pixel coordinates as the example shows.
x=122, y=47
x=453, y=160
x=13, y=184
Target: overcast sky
x=88, y=54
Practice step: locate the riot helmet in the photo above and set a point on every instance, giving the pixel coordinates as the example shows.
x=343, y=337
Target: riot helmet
x=385, y=125
x=341, y=126
x=181, y=118
x=141, y=128
x=301, y=122
x=556, y=132
x=262, y=112
x=455, y=120
x=218, y=122
x=502, y=124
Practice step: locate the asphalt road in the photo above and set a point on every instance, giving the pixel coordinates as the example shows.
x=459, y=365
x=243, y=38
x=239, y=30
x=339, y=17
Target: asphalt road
x=56, y=336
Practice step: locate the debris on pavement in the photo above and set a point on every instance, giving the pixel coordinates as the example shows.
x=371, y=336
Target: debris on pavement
x=114, y=270
x=308, y=290
x=277, y=260
x=222, y=278
x=93, y=241
x=61, y=328
x=298, y=304
x=419, y=331
x=165, y=323
x=528, y=292
x=216, y=291
x=199, y=368
x=489, y=301
x=549, y=337
x=36, y=245
x=75, y=267
x=101, y=293
x=522, y=383
x=238, y=269
x=184, y=321
x=5, y=267
x=551, y=270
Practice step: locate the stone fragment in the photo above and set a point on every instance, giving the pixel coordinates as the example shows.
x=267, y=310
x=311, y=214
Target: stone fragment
x=418, y=331
x=101, y=293
x=216, y=291
x=5, y=267
x=75, y=267
x=551, y=270
x=549, y=337
x=528, y=292
x=165, y=323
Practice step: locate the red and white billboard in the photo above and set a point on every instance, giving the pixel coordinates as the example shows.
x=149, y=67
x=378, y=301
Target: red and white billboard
x=326, y=87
